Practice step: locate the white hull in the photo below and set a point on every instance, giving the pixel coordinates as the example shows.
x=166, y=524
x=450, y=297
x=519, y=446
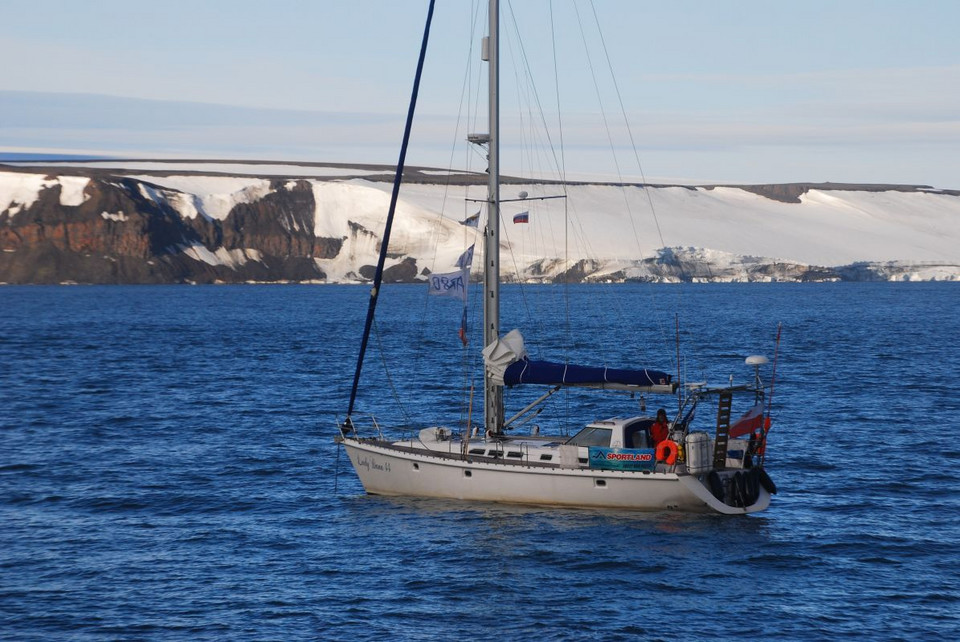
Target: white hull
x=386, y=470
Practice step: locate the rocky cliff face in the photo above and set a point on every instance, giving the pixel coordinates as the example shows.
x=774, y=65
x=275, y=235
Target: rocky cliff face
x=100, y=226
x=128, y=231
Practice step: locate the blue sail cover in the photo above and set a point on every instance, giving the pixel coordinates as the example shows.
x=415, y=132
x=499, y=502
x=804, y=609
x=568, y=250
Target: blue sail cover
x=557, y=374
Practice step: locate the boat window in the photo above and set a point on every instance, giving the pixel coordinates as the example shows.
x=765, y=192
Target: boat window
x=495, y=453
x=477, y=451
x=514, y=453
x=546, y=457
x=591, y=436
x=637, y=434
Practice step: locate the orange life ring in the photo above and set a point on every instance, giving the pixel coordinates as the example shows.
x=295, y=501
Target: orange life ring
x=669, y=458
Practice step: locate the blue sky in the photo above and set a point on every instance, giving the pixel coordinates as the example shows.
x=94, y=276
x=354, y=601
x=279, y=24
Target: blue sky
x=739, y=91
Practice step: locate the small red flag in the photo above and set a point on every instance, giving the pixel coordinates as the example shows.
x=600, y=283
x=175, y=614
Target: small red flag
x=463, y=327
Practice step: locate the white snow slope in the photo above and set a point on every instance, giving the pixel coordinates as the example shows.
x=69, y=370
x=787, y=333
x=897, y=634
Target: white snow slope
x=19, y=191
x=612, y=226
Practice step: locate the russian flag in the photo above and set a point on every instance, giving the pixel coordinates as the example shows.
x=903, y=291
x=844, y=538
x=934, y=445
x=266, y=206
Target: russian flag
x=522, y=217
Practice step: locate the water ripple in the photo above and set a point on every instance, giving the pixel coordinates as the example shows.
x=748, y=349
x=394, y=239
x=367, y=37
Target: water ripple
x=167, y=473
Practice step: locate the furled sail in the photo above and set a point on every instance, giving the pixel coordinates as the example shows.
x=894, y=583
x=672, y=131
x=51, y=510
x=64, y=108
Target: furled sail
x=508, y=364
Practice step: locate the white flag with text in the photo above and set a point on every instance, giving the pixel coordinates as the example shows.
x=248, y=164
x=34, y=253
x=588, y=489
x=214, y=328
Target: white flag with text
x=452, y=284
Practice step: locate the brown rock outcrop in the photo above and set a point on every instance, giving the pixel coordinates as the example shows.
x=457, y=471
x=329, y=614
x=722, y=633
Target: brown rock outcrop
x=123, y=233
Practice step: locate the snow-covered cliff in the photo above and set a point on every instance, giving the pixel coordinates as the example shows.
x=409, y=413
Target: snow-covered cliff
x=174, y=222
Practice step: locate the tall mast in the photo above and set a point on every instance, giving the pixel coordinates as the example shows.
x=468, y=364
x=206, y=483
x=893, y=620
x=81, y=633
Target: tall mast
x=493, y=394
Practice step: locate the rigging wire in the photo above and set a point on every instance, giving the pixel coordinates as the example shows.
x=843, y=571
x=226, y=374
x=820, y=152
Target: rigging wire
x=606, y=124
x=465, y=99
x=417, y=361
x=386, y=372
x=466, y=90
x=472, y=360
x=623, y=187
x=533, y=85
x=568, y=339
x=530, y=141
x=558, y=158
x=378, y=276
x=626, y=121
x=520, y=285
x=563, y=180
x=558, y=164
x=636, y=156
x=522, y=78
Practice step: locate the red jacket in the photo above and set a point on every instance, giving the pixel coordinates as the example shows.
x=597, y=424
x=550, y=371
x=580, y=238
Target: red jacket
x=658, y=432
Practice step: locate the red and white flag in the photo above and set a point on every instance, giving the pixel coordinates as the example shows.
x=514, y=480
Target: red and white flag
x=750, y=421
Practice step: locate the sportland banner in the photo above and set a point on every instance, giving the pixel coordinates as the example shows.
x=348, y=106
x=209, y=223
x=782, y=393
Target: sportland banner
x=622, y=458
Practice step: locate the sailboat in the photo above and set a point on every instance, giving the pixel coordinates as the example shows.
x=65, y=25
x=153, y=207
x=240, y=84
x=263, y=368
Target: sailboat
x=637, y=461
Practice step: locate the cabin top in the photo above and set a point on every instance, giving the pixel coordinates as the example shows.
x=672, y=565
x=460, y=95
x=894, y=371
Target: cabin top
x=616, y=432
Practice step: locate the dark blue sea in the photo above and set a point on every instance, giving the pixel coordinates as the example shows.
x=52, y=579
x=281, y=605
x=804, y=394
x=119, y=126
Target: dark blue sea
x=168, y=470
